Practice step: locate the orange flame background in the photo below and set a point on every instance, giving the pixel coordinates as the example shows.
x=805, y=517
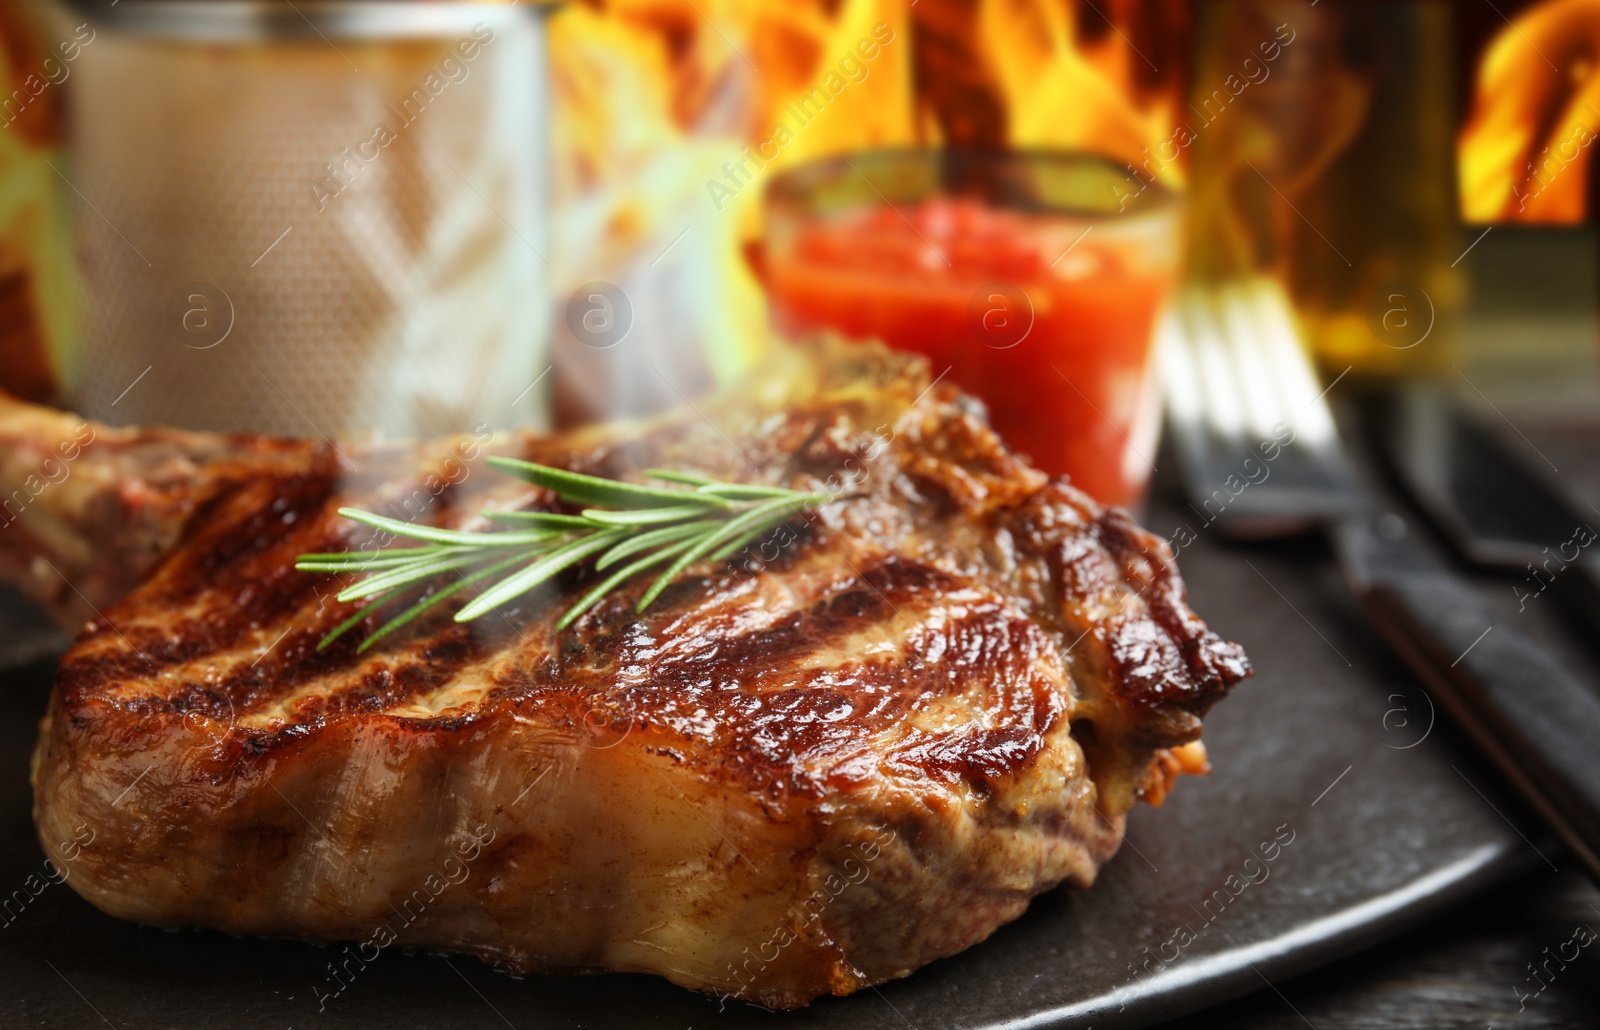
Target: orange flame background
x=1524, y=152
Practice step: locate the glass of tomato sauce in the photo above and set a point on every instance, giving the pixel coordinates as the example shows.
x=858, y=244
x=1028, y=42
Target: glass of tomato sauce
x=1031, y=279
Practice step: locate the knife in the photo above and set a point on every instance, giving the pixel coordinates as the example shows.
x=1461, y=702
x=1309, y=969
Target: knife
x=1523, y=708
x=1496, y=509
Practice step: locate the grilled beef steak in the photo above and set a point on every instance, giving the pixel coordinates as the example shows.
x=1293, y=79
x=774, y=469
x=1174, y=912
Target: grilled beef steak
x=863, y=744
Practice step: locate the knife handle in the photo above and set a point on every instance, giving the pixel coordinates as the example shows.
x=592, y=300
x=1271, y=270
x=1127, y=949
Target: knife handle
x=1537, y=721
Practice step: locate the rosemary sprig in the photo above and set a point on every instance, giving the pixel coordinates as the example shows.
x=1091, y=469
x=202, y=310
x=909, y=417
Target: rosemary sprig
x=635, y=525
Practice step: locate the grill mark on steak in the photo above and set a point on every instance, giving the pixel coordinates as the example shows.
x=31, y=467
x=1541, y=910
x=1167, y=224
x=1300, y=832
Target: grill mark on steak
x=702, y=663
x=239, y=537
x=1184, y=661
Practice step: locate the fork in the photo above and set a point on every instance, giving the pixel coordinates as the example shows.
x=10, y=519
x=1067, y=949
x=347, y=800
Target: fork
x=1243, y=403
x=1261, y=457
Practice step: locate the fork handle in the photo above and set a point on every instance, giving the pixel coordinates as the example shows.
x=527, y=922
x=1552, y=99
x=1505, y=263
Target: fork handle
x=1537, y=721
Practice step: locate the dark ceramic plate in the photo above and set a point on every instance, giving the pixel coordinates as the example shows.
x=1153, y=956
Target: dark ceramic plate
x=1373, y=815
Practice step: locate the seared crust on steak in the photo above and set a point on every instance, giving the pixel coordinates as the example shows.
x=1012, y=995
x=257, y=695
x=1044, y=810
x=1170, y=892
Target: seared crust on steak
x=857, y=748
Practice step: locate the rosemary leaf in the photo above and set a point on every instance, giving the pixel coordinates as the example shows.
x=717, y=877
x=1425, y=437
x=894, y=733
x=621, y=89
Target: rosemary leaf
x=645, y=541
x=397, y=553
x=731, y=529
x=348, y=624
x=670, y=476
x=406, y=556
x=744, y=540
x=407, y=574
x=435, y=598
x=547, y=566
x=611, y=582
x=744, y=491
x=577, y=488
x=336, y=567
x=447, y=536
x=644, y=516
x=548, y=519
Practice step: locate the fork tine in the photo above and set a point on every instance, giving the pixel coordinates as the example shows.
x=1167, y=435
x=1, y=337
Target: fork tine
x=1252, y=366
x=1224, y=406
x=1180, y=372
x=1234, y=371
x=1290, y=368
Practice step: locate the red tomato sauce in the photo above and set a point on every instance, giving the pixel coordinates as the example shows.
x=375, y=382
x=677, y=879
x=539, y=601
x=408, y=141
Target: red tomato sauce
x=1048, y=324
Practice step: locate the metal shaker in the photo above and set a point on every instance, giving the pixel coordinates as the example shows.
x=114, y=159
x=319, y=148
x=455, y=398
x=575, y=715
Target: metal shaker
x=311, y=218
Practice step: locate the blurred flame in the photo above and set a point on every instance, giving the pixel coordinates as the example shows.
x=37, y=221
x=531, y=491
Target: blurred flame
x=35, y=287
x=1060, y=89
x=658, y=99
x=1524, y=154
